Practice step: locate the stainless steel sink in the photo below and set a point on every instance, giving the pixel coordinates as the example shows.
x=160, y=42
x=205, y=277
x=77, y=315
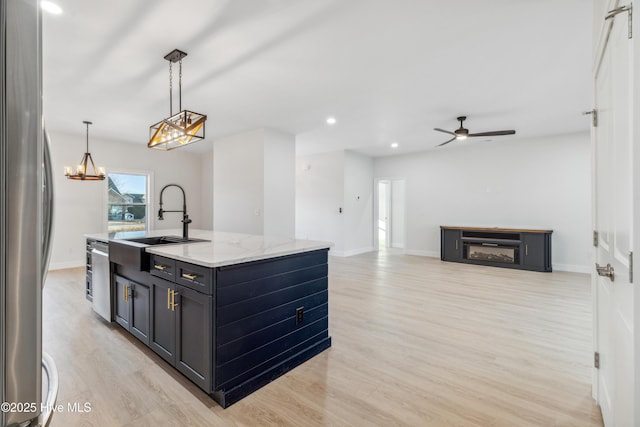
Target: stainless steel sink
x=164, y=240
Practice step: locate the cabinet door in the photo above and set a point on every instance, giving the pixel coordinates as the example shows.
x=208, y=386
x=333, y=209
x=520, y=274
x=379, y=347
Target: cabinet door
x=451, y=245
x=139, y=316
x=533, y=250
x=163, y=330
x=121, y=300
x=193, y=336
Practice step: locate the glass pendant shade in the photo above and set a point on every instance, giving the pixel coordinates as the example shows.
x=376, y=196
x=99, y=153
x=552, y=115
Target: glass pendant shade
x=179, y=130
x=86, y=169
x=183, y=128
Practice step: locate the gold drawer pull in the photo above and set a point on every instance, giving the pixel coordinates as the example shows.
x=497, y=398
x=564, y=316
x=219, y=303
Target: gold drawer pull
x=189, y=276
x=160, y=267
x=173, y=300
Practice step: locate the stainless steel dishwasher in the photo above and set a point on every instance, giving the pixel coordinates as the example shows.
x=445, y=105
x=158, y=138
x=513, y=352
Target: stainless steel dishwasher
x=101, y=279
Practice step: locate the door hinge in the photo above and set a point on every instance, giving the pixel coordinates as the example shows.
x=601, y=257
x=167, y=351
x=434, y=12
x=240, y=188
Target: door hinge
x=595, y=238
x=596, y=360
x=629, y=9
x=630, y=267
x=594, y=116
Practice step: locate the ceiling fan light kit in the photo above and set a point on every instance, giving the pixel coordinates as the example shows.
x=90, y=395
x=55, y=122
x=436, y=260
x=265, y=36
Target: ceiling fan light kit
x=183, y=128
x=463, y=133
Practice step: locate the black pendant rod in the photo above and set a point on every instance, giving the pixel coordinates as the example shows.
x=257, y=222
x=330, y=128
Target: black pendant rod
x=87, y=123
x=175, y=55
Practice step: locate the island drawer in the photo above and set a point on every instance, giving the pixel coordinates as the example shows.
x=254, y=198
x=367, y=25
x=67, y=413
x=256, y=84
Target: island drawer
x=163, y=267
x=193, y=276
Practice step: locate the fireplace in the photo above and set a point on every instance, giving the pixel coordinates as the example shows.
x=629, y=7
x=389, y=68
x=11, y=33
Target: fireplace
x=524, y=249
x=493, y=253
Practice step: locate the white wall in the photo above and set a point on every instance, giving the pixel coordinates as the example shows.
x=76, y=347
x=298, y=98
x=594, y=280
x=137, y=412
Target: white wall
x=319, y=197
x=81, y=206
x=253, y=183
x=238, y=190
x=326, y=183
x=543, y=183
x=358, y=203
x=206, y=193
x=279, y=183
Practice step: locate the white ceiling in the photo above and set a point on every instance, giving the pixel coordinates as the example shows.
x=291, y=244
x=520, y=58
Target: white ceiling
x=388, y=70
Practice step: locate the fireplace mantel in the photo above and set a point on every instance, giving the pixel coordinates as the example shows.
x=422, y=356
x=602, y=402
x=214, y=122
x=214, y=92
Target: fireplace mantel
x=521, y=248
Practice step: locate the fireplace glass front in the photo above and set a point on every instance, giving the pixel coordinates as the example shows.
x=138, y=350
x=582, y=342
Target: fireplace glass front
x=503, y=254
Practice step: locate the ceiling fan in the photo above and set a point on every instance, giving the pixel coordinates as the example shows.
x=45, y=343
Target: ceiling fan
x=462, y=133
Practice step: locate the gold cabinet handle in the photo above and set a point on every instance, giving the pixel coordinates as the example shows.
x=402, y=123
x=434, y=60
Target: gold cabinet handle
x=173, y=300
x=160, y=267
x=168, y=298
x=189, y=276
x=526, y=250
x=126, y=293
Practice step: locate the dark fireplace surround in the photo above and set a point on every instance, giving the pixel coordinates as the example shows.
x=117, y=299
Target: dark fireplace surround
x=526, y=249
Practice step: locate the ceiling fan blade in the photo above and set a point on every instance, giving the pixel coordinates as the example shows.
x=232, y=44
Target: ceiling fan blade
x=494, y=133
x=445, y=131
x=440, y=145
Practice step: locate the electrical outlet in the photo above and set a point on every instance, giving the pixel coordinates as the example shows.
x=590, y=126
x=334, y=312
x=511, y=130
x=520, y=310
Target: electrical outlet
x=299, y=315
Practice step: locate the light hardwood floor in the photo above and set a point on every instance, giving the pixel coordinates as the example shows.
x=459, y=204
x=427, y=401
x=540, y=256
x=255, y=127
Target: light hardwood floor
x=416, y=342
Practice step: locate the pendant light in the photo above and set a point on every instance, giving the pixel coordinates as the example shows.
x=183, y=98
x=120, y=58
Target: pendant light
x=82, y=170
x=179, y=129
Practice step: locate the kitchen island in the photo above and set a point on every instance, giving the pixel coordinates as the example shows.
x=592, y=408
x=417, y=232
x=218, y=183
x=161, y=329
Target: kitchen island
x=231, y=313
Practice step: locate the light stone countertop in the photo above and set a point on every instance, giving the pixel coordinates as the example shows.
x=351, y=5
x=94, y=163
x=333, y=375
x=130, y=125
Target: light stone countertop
x=222, y=248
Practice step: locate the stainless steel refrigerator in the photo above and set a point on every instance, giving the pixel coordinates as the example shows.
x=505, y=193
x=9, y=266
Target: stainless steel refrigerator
x=25, y=216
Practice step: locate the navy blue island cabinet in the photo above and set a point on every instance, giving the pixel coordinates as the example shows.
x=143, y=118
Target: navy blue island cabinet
x=233, y=329
x=524, y=249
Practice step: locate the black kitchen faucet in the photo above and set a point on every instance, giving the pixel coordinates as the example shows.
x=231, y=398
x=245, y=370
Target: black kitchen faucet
x=185, y=218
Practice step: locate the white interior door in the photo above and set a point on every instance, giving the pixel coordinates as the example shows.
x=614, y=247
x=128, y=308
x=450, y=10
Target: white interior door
x=613, y=200
x=384, y=199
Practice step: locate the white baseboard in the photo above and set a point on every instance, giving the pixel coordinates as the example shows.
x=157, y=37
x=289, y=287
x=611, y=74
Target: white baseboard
x=66, y=264
x=335, y=252
x=572, y=268
x=351, y=252
x=430, y=254
x=556, y=267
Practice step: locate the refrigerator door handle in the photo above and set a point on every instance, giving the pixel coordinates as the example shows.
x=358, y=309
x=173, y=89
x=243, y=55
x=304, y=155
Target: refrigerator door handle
x=47, y=205
x=48, y=365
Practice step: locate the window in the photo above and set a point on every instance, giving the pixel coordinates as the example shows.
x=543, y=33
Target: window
x=127, y=206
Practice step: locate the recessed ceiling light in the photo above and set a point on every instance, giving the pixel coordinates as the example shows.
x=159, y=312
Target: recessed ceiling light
x=50, y=7
x=331, y=121
x=394, y=145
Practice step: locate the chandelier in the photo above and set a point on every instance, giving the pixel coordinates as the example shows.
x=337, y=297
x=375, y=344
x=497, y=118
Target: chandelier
x=178, y=129
x=82, y=170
